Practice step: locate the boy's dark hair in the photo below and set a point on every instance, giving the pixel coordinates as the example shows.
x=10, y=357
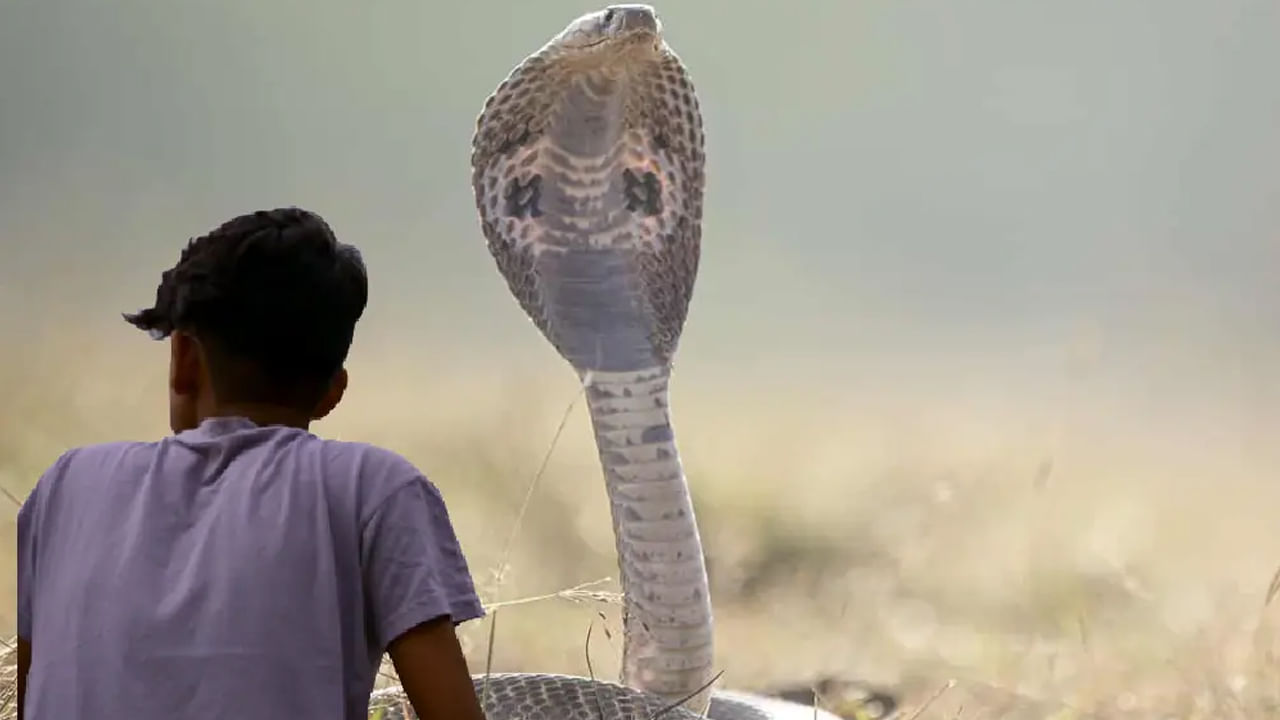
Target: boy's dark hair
x=273, y=298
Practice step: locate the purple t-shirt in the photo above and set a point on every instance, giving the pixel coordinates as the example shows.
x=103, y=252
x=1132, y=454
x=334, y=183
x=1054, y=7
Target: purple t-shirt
x=228, y=571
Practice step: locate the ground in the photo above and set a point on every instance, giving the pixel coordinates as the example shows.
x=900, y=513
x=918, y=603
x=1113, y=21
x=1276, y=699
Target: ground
x=1032, y=565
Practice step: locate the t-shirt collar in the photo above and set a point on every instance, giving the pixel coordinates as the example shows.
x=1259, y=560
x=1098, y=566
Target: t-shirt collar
x=222, y=425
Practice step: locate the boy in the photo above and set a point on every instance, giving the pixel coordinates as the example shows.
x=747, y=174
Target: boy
x=243, y=567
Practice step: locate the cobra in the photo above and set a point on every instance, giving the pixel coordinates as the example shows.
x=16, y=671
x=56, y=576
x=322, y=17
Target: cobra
x=588, y=173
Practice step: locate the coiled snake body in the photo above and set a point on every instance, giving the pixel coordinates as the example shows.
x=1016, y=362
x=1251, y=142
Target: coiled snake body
x=588, y=176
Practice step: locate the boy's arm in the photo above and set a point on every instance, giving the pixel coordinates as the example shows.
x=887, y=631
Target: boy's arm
x=24, y=664
x=434, y=673
x=27, y=519
x=418, y=588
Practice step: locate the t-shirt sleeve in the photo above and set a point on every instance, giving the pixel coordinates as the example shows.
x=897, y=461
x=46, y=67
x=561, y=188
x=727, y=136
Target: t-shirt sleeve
x=28, y=535
x=413, y=566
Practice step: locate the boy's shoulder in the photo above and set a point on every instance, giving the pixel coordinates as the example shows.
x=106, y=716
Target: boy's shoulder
x=84, y=461
x=365, y=451
x=373, y=472
x=96, y=454
x=370, y=459
x=380, y=471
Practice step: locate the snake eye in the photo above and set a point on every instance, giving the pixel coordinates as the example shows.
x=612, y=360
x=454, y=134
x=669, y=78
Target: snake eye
x=609, y=15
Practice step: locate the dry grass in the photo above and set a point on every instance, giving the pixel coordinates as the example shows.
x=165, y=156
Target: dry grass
x=9, y=680
x=1062, y=559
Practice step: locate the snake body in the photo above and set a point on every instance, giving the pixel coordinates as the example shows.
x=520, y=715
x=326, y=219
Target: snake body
x=588, y=174
x=587, y=167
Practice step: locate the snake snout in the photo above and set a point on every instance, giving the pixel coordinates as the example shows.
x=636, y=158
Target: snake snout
x=634, y=19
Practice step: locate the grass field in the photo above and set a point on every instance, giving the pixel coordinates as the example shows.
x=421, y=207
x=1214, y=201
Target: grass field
x=1024, y=558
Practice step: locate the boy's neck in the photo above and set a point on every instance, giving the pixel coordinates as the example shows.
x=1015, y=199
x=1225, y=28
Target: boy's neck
x=263, y=415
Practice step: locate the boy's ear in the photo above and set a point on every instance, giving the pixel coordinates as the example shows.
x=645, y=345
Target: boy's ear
x=184, y=364
x=332, y=396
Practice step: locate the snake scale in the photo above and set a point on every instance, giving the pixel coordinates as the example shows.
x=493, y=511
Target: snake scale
x=588, y=174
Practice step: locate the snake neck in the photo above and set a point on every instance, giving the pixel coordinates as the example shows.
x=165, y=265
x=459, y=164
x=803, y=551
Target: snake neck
x=667, y=625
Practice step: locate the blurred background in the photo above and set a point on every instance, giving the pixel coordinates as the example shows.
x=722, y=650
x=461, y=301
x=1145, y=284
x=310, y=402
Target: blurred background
x=981, y=378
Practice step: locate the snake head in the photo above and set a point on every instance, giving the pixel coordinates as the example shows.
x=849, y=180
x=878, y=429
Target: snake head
x=614, y=30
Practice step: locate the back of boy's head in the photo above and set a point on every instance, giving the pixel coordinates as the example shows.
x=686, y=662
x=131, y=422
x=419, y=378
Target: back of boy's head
x=273, y=299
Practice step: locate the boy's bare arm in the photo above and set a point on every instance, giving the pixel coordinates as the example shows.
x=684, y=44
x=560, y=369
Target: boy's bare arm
x=24, y=665
x=434, y=672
